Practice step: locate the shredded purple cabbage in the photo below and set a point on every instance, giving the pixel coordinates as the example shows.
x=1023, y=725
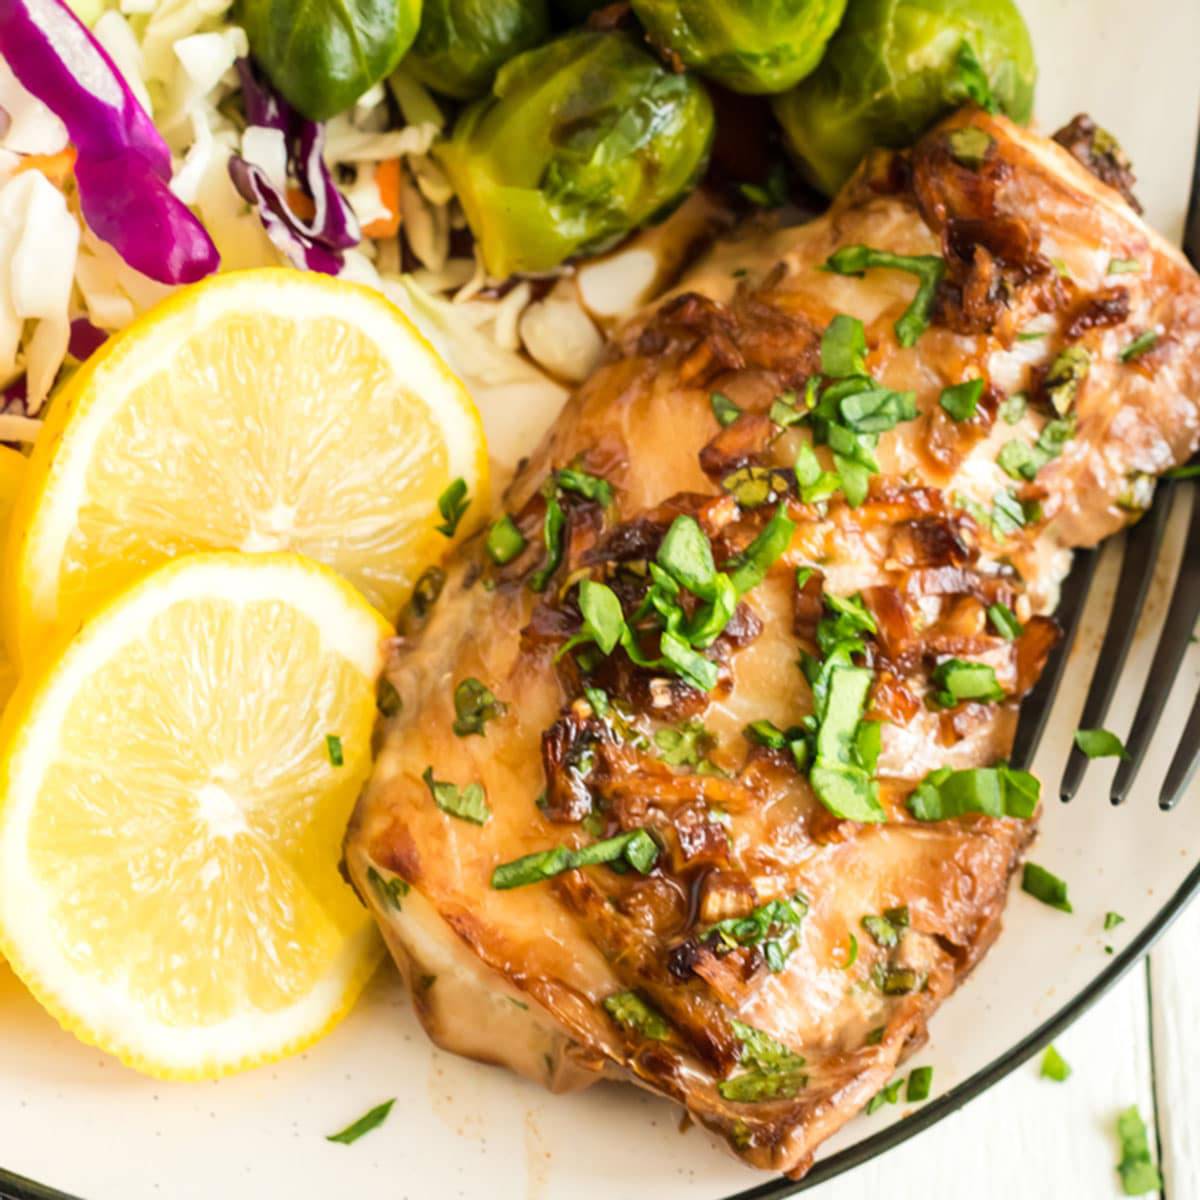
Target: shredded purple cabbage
x=85, y=339
x=317, y=244
x=122, y=164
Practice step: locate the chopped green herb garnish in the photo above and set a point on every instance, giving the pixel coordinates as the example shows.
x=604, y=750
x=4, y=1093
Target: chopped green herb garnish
x=724, y=409
x=1054, y=1066
x=883, y=932
x=851, y=952
x=590, y=487
x=958, y=680
x=1190, y=471
x=816, y=484
x=875, y=1037
x=468, y=804
x=685, y=745
x=553, y=525
x=333, y=747
x=1112, y=920
x=887, y=1095
x=504, y=541
x=774, y=927
x=1031, y=335
x=452, y=504
x=390, y=891
x=844, y=348
x=630, y=1011
x=783, y=411
x=1136, y=1168
x=387, y=699
x=603, y=620
x=1124, y=266
x=1046, y=887
x=994, y=791
x=1008, y=514
x=973, y=82
x=1004, y=621
x=962, y=400
x=920, y=1083
x=897, y=981
x=774, y=1072
x=637, y=849
x=928, y=268
x=773, y=193
x=363, y=1125
x=1142, y=344
x=1012, y=408
x=1099, y=743
x=474, y=706
x=750, y=568
x=1066, y=373
x=969, y=146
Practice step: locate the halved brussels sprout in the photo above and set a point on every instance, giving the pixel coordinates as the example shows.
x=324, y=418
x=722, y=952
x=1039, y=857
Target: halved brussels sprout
x=581, y=141
x=463, y=43
x=758, y=46
x=321, y=55
x=894, y=67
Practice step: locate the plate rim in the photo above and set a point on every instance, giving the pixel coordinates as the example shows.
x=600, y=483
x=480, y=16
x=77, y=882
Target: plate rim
x=19, y=1187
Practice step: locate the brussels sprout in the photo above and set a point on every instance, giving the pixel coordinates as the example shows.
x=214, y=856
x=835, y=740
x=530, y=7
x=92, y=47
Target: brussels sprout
x=321, y=55
x=463, y=43
x=894, y=67
x=581, y=141
x=748, y=45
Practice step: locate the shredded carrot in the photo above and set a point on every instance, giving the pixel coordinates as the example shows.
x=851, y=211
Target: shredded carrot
x=301, y=204
x=387, y=180
x=56, y=167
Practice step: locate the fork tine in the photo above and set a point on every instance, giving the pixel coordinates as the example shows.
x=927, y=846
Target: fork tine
x=1035, y=708
x=1183, y=765
x=1168, y=655
x=1142, y=544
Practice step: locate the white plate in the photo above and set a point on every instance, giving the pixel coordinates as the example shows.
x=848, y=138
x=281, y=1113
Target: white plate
x=76, y=1121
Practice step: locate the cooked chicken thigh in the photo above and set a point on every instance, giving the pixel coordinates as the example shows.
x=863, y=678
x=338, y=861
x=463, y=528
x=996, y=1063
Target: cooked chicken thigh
x=749, y=639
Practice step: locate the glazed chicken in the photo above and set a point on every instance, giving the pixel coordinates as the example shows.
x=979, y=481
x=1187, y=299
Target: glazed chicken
x=693, y=774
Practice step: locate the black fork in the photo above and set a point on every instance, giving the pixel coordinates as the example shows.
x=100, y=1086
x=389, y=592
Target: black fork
x=1142, y=545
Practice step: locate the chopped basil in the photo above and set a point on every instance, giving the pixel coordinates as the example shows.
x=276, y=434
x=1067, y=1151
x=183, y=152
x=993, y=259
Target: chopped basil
x=637, y=849
x=773, y=193
x=750, y=568
x=969, y=146
x=590, y=487
x=1054, y=1066
x=844, y=348
x=1004, y=621
x=1190, y=471
x=452, y=504
x=504, y=541
x=467, y=804
x=816, y=484
x=897, y=981
x=958, y=680
x=686, y=554
x=333, y=747
x=1099, y=743
x=1066, y=373
x=1112, y=920
x=724, y=409
x=774, y=1072
x=1046, y=887
x=603, y=620
x=973, y=82
x=1012, y=408
x=684, y=745
x=387, y=699
x=887, y=1095
x=875, y=1037
x=1008, y=514
x=783, y=411
x=697, y=670
x=425, y=593
x=774, y=927
x=1136, y=1168
x=474, y=706
x=553, y=525
x=1124, y=266
x=390, y=891
x=851, y=952
x=882, y=931
x=877, y=410
x=363, y=1125
x=994, y=791
x=1031, y=335
x=1142, y=344
x=1023, y=462
x=928, y=268
x=961, y=400
x=630, y=1011
x=920, y=1083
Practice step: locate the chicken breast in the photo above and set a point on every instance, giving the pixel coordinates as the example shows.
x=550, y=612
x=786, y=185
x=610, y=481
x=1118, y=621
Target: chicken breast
x=690, y=774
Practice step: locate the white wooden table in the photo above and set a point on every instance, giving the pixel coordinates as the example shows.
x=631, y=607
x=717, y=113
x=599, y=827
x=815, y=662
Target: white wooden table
x=1032, y=1139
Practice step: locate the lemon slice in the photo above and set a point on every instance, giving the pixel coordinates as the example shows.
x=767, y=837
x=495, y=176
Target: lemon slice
x=175, y=788
x=12, y=472
x=259, y=410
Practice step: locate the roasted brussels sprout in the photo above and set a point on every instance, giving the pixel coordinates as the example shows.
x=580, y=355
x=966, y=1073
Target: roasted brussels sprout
x=321, y=55
x=581, y=140
x=463, y=43
x=894, y=67
x=759, y=46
